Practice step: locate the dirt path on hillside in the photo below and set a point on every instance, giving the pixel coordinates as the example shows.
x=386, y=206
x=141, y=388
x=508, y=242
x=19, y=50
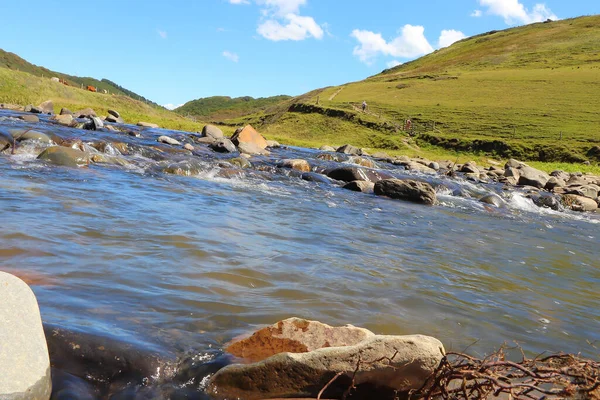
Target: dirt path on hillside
x=335, y=93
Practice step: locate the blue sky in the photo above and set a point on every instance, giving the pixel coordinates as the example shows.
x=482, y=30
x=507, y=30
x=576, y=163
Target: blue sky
x=172, y=52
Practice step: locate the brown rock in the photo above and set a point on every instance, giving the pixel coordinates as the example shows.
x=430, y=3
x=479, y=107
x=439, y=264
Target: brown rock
x=297, y=164
x=579, y=203
x=360, y=186
x=63, y=119
x=147, y=124
x=85, y=113
x=365, y=162
x=188, y=146
x=30, y=118
x=249, y=135
x=295, y=335
x=46, y=107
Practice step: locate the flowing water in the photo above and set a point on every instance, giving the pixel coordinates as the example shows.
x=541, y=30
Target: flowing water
x=189, y=262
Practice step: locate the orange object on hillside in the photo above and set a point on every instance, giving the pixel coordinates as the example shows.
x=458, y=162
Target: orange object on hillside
x=91, y=88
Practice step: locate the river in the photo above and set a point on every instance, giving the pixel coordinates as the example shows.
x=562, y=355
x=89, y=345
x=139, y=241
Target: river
x=189, y=262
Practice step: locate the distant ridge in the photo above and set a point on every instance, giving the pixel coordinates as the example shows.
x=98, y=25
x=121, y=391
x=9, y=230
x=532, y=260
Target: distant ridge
x=224, y=107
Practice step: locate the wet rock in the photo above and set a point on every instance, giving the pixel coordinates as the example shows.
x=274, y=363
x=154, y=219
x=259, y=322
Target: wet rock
x=86, y=113
x=66, y=156
x=315, y=177
x=103, y=359
x=546, y=200
x=434, y=166
x=405, y=364
x=417, y=191
x=29, y=134
x=470, y=168
x=349, y=149
x=532, y=177
x=212, y=132
x=188, y=146
x=363, y=162
x=240, y=162
x=97, y=123
x=30, y=118
x=66, y=386
x=47, y=107
x=579, y=203
x=295, y=335
x=295, y=164
x=248, y=135
x=326, y=148
x=252, y=148
x=168, y=140
x=65, y=111
x=63, y=119
x=349, y=174
x=147, y=124
x=114, y=120
x=332, y=157
x=223, y=146
x=554, y=182
x=360, y=186
x=24, y=361
x=273, y=144
x=493, y=199
x=114, y=113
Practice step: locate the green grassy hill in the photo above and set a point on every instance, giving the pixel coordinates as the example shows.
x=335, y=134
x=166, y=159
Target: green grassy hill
x=219, y=108
x=530, y=92
x=14, y=62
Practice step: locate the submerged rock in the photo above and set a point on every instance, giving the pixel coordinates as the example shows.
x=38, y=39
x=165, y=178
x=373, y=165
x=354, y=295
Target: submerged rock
x=296, y=164
x=493, y=199
x=66, y=156
x=417, y=191
x=168, y=140
x=29, y=134
x=24, y=360
x=30, y=118
x=315, y=353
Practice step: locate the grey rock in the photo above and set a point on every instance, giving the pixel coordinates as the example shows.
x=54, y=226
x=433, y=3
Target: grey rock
x=114, y=113
x=532, y=177
x=85, y=113
x=579, y=203
x=493, y=199
x=98, y=124
x=147, y=124
x=223, y=146
x=349, y=174
x=434, y=165
x=65, y=156
x=46, y=107
x=410, y=361
x=326, y=148
x=554, y=182
x=114, y=120
x=295, y=164
x=349, y=149
x=30, y=118
x=251, y=148
x=212, y=132
x=63, y=119
x=590, y=191
x=360, y=186
x=469, y=168
x=65, y=111
x=168, y=140
x=188, y=146
x=24, y=360
x=28, y=108
x=417, y=191
x=315, y=177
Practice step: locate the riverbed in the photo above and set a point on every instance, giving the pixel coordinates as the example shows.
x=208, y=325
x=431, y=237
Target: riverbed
x=187, y=263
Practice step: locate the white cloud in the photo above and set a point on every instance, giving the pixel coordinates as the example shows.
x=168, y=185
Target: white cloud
x=393, y=63
x=476, y=13
x=515, y=12
x=409, y=44
x=447, y=37
x=162, y=34
x=297, y=28
x=231, y=56
x=171, y=106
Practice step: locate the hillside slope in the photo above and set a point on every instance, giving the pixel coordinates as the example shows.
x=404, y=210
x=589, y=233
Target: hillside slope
x=223, y=107
x=14, y=62
x=529, y=92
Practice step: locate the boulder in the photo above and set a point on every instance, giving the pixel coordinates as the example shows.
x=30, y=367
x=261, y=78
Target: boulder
x=554, y=182
x=147, y=124
x=349, y=149
x=532, y=177
x=493, y=199
x=561, y=174
x=223, y=146
x=434, y=166
x=35, y=110
x=511, y=175
x=30, y=118
x=114, y=120
x=392, y=363
x=417, y=191
x=469, y=168
x=212, y=132
x=14, y=107
x=295, y=335
x=28, y=108
x=114, y=113
x=326, y=148
x=65, y=111
x=349, y=174
x=29, y=134
x=63, y=119
x=85, y=113
x=66, y=156
x=418, y=167
x=252, y=148
x=46, y=107
x=579, y=203
x=248, y=135
x=24, y=360
x=168, y=140
x=97, y=123
x=296, y=164
x=360, y=186
x=512, y=163
x=273, y=144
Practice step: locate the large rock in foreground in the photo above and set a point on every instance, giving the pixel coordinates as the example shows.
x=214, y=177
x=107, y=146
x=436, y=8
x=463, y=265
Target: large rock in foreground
x=417, y=191
x=24, y=361
x=249, y=135
x=66, y=156
x=383, y=363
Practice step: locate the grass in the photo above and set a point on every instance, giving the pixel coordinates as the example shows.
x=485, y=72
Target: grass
x=22, y=88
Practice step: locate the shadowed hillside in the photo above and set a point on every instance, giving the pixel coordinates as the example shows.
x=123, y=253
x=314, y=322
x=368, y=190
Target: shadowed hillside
x=222, y=107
